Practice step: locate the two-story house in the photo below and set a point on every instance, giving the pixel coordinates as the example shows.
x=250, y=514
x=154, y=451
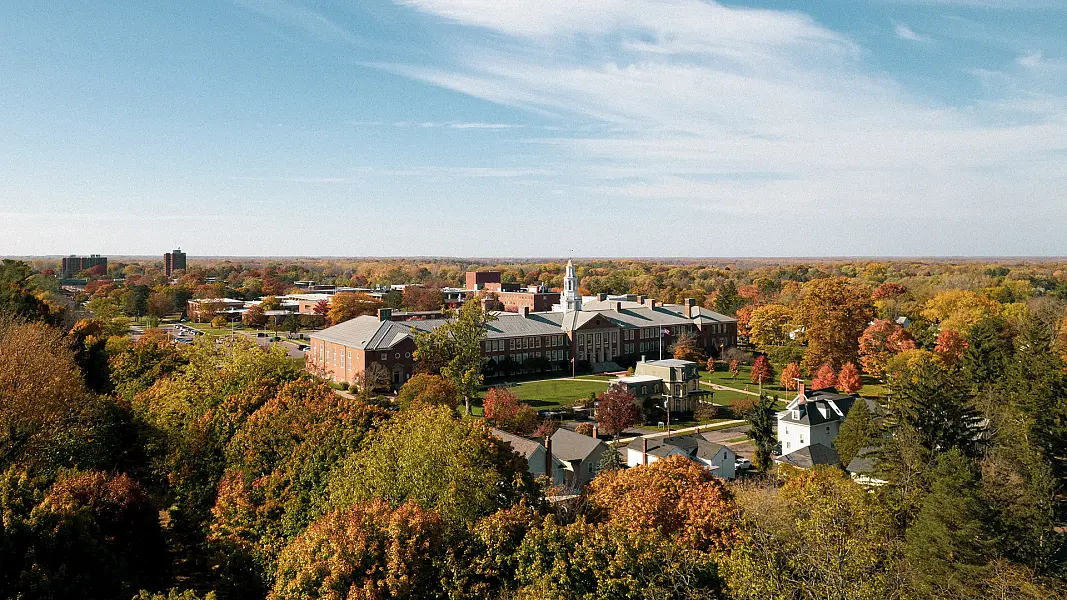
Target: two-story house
x=809, y=425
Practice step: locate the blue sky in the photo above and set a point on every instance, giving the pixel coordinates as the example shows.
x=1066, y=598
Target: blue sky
x=534, y=127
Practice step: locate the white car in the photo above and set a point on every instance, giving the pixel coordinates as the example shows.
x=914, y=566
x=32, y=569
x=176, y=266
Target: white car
x=742, y=464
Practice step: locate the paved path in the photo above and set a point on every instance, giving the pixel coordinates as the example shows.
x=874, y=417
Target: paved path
x=716, y=386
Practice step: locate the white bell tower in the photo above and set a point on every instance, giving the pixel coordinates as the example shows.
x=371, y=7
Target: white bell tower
x=572, y=300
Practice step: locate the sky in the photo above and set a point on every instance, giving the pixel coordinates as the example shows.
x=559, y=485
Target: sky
x=544, y=128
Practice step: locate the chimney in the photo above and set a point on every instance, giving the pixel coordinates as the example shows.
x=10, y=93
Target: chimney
x=644, y=451
x=594, y=432
x=548, y=457
x=800, y=388
x=524, y=311
x=385, y=314
x=691, y=306
x=650, y=302
x=641, y=299
x=618, y=307
x=642, y=358
x=602, y=297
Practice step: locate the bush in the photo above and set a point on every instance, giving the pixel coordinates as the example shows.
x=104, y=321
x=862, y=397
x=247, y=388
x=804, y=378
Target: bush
x=706, y=411
x=584, y=429
x=343, y=385
x=743, y=406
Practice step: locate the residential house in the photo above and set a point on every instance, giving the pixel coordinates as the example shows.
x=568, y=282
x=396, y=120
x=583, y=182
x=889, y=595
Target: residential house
x=813, y=418
x=580, y=454
x=713, y=456
x=536, y=456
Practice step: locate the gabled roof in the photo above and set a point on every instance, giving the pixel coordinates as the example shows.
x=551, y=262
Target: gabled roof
x=692, y=445
x=525, y=447
x=810, y=456
x=818, y=407
x=864, y=461
x=568, y=445
x=369, y=333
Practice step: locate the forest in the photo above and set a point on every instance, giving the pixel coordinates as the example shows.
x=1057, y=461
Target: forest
x=156, y=470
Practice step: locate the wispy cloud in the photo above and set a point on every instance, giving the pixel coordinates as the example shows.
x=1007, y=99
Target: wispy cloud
x=699, y=97
x=301, y=17
x=906, y=33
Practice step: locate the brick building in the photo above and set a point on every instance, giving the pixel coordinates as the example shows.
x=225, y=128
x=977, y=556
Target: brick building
x=72, y=265
x=600, y=336
x=173, y=261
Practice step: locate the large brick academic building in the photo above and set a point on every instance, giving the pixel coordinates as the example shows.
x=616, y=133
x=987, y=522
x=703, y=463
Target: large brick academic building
x=601, y=334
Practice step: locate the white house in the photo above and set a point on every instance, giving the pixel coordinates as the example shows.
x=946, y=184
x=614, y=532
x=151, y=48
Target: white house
x=715, y=457
x=813, y=418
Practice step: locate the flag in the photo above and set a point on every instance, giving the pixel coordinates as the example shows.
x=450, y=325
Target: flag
x=665, y=331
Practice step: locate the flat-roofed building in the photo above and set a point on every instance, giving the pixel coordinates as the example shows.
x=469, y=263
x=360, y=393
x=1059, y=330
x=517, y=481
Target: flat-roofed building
x=72, y=265
x=173, y=261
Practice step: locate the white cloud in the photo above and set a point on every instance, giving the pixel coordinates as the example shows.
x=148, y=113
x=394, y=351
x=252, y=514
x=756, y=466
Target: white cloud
x=906, y=33
x=749, y=112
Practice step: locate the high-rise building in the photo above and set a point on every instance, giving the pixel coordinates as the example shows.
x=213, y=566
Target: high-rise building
x=174, y=261
x=72, y=265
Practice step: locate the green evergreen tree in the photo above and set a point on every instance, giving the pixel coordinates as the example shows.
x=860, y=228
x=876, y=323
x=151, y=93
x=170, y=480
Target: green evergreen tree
x=858, y=431
x=950, y=542
x=988, y=352
x=761, y=417
x=937, y=404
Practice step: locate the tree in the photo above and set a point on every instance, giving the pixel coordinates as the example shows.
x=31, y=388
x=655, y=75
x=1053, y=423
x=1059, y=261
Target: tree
x=848, y=380
x=345, y=306
x=421, y=298
x=987, y=354
x=936, y=403
x=727, y=301
x=735, y=368
x=833, y=313
x=761, y=371
x=455, y=467
x=881, y=341
x=321, y=308
x=254, y=316
x=687, y=348
x=859, y=430
x=710, y=366
x=218, y=322
x=790, y=374
x=291, y=324
x=950, y=542
x=503, y=408
x=368, y=550
x=761, y=431
x=135, y=300
x=454, y=349
x=270, y=303
x=950, y=346
x=426, y=389
x=770, y=325
x=616, y=411
x=160, y=305
x=17, y=297
x=824, y=377
x=959, y=310
x=674, y=496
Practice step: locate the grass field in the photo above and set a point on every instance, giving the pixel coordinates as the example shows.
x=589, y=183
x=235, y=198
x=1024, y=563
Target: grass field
x=871, y=387
x=553, y=393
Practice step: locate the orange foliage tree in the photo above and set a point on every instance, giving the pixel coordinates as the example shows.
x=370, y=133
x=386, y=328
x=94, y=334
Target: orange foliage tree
x=674, y=496
x=504, y=409
x=848, y=380
x=790, y=374
x=881, y=341
x=616, y=410
x=762, y=371
x=428, y=389
x=950, y=346
x=349, y=305
x=824, y=377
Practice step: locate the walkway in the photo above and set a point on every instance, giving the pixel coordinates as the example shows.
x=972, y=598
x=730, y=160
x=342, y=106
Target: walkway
x=727, y=388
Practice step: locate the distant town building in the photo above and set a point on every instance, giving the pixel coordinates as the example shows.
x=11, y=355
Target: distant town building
x=72, y=265
x=477, y=280
x=174, y=261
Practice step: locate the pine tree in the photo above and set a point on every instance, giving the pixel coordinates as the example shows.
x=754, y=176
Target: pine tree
x=762, y=431
x=988, y=353
x=937, y=404
x=951, y=541
x=858, y=431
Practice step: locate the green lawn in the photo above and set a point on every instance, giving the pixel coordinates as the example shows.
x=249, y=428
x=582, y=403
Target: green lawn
x=871, y=387
x=554, y=393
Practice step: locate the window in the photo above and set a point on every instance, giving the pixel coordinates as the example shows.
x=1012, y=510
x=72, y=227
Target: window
x=644, y=390
x=407, y=355
x=385, y=356
x=539, y=343
x=398, y=356
x=511, y=344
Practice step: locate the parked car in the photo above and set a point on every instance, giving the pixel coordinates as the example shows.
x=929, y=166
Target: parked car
x=742, y=464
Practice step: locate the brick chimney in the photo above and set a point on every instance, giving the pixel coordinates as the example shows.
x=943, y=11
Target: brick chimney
x=691, y=306
x=644, y=451
x=524, y=311
x=385, y=314
x=800, y=388
x=594, y=432
x=548, y=457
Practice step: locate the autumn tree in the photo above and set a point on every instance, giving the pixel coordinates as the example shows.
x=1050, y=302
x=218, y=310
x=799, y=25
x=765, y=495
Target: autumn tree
x=771, y=325
x=456, y=467
x=18, y=297
x=824, y=377
x=504, y=409
x=321, y=308
x=959, y=310
x=254, y=316
x=833, y=313
x=421, y=298
x=345, y=306
x=674, y=496
x=881, y=341
x=950, y=346
x=936, y=403
x=368, y=550
x=454, y=349
x=424, y=388
x=848, y=380
x=735, y=368
x=686, y=347
x=761, y=370
x=790, y=374
x=616, y=411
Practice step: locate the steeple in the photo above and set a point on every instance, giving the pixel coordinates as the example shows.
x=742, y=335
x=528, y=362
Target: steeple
x=571, y=299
